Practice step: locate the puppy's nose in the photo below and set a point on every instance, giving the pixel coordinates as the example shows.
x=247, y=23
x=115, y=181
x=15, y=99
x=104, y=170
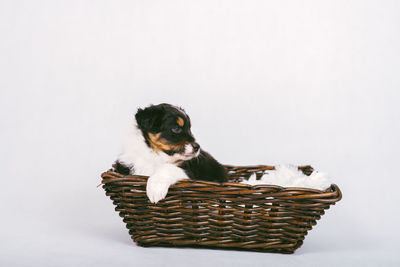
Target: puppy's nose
x=195, y=146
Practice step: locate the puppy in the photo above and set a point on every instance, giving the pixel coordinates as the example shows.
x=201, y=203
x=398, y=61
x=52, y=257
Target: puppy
x=159, y=144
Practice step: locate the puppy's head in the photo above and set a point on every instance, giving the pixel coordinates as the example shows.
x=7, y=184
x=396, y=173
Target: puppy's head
x=166, y=130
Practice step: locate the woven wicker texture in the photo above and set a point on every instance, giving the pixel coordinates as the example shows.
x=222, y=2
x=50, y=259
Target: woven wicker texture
x=229, y=215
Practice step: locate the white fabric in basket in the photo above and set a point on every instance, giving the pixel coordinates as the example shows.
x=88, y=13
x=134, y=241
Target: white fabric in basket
x=290, y=176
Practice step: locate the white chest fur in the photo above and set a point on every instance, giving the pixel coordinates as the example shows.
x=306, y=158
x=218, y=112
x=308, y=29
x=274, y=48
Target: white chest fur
x=145, y=161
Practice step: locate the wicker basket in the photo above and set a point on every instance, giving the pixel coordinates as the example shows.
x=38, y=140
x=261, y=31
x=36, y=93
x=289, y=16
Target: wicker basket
x=229, y=215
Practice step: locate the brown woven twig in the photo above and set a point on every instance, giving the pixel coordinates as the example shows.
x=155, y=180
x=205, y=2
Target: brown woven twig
x=229, y=215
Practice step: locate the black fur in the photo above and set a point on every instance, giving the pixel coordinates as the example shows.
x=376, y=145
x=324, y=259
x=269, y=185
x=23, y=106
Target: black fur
x=205, y=167
x=121, y=168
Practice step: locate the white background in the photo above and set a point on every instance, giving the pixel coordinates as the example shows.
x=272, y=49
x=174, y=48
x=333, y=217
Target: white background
x=302, y=82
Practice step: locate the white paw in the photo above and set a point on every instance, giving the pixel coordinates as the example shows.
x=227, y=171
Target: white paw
x=156, y=189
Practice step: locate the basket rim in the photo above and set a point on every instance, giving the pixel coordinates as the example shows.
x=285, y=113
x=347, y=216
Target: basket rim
x=333, y=191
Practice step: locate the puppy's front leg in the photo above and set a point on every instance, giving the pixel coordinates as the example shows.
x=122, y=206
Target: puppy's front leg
x=161, y=180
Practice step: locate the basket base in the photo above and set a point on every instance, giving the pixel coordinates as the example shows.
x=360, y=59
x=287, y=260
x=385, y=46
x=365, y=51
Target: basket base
x=289, y=250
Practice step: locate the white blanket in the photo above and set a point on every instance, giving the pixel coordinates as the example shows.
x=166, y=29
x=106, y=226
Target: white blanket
x=290, y=176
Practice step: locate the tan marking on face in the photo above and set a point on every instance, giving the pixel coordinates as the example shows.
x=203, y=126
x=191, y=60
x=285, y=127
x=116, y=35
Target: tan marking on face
x=160, y=144
x=180, y=121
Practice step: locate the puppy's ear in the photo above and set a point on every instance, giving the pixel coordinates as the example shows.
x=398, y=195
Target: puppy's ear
x=150, y=118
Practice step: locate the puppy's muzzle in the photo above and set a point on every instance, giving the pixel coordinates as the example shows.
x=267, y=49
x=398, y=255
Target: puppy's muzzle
x=196, y=147
x=192, y=150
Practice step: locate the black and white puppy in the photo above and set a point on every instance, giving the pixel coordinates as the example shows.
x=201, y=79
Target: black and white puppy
x=161, y=145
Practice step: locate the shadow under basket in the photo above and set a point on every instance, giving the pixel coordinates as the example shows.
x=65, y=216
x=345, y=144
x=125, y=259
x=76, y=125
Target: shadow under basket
x=230, y=215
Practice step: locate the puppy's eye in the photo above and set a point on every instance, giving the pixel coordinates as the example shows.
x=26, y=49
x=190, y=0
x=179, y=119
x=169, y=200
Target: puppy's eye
x=176, y=129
